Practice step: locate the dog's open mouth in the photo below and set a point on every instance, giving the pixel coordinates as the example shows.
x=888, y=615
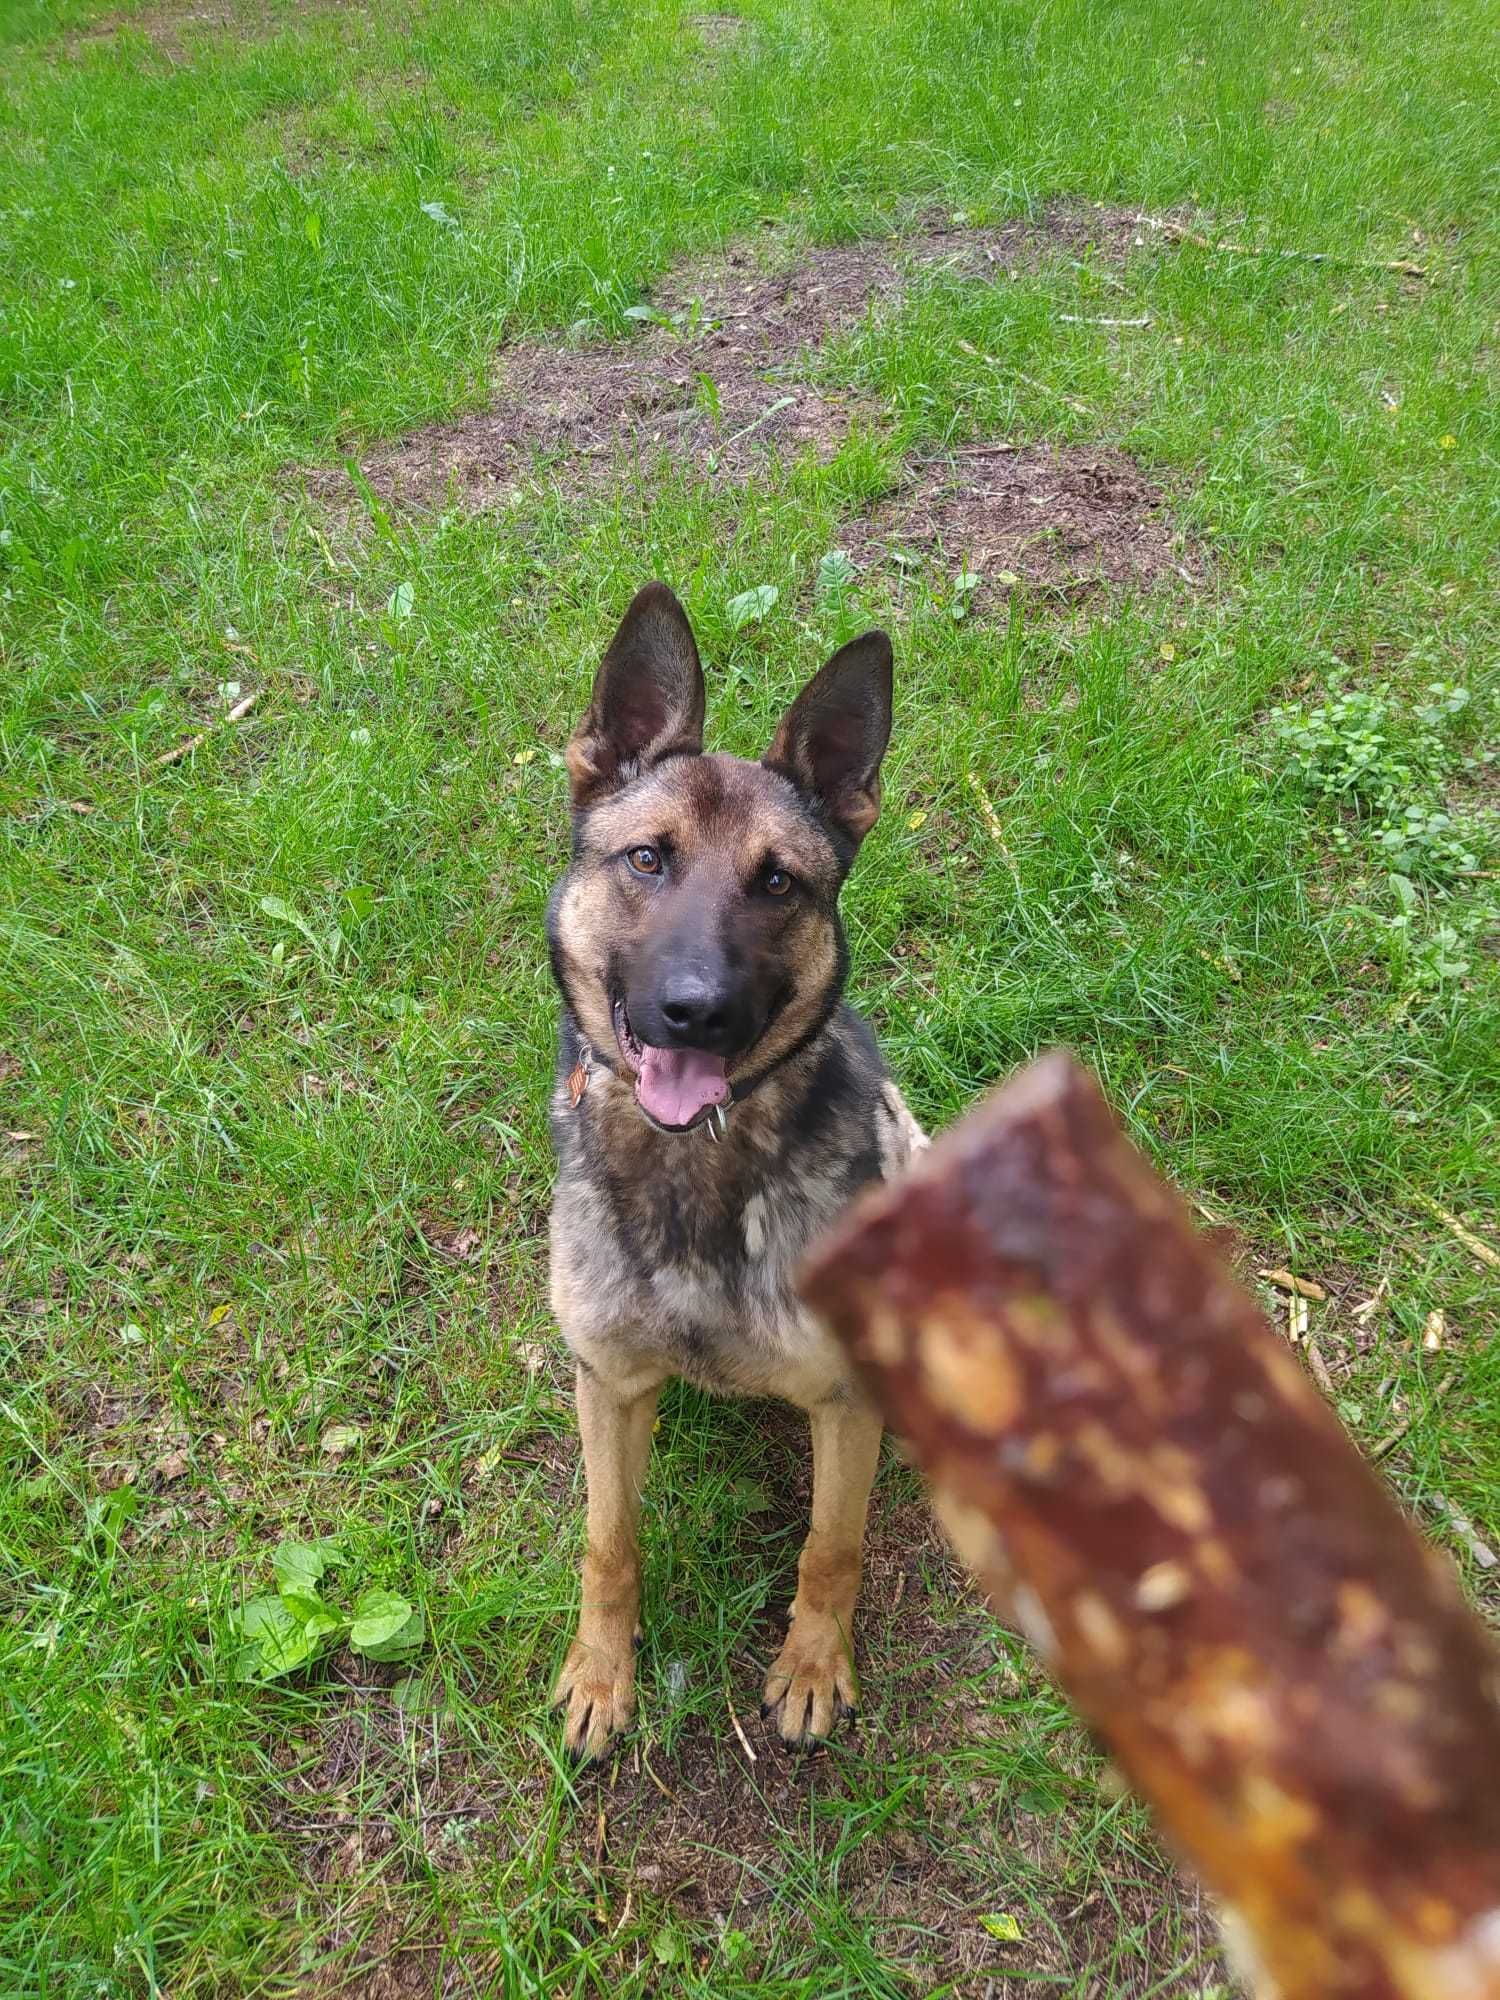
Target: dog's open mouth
x=674, y=1087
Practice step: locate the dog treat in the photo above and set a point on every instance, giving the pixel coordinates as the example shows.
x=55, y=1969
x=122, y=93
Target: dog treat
x=1137, y=1467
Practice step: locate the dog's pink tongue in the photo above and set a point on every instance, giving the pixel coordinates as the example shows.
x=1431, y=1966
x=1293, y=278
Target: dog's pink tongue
x=674, y=1085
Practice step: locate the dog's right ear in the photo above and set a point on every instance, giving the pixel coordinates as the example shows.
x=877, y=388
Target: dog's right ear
x=648, y=699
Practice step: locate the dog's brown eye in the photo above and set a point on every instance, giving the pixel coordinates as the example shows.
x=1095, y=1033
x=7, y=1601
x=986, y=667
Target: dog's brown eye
x=777, y=882
x=644, y=860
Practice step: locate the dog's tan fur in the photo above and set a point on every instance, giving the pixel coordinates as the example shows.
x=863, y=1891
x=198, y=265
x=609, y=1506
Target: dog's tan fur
x=672, y=1254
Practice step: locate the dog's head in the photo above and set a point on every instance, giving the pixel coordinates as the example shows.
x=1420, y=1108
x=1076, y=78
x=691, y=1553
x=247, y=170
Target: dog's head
x=696, y=935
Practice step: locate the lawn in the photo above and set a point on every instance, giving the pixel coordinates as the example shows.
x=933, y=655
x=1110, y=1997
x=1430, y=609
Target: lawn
x=1196, y=688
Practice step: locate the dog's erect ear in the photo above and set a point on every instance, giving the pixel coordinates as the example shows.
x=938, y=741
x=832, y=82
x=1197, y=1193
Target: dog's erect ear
x=647, y=702
x=833, y=736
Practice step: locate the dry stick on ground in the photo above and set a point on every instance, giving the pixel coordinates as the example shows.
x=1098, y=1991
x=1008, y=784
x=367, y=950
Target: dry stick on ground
x=1003, y=368
x=1475, y=1245
x=1078, y=319
x=175, y=756
x=1394, y=1436
x=1135, y=1464
x=1183, y=234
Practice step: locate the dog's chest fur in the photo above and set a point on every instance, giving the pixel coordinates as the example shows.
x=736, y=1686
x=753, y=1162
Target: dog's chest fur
x=673, y=1252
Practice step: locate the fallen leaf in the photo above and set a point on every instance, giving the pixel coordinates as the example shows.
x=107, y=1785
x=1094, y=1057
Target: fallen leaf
x=750, y=606
x=1434, y=1327
x=1287, y=1281
x=340, y=1439
x=219, y=1314
x=173, y=1466
x=915, y=820
x=1000, y=1924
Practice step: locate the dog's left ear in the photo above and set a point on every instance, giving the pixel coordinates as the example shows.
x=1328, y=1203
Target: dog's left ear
x=648, y=699
x=833, y=736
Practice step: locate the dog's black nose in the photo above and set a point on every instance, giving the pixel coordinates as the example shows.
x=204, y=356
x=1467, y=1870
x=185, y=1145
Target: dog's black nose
x=698, y=1012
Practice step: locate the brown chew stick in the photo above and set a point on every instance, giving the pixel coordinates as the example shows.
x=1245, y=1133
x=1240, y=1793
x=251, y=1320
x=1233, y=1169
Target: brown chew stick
x=1138, y=1468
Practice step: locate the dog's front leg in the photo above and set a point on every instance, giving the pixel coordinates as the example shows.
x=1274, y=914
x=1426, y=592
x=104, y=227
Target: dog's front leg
x=813, y=1679
x=598, y=1677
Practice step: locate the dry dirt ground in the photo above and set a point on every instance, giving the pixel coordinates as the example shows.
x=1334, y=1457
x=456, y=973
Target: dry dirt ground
x=699, y=1828
x=170, y=27
x=719, y=381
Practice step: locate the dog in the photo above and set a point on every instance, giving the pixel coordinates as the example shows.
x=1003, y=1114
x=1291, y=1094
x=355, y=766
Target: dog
x=717, y=1103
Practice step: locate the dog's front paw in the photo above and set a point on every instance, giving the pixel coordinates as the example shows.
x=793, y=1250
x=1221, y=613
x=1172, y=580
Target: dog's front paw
x=812, y=1683
x=597, y=1684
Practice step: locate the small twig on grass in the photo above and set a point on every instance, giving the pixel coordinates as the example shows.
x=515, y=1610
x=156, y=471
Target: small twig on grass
x=992, y=822
x=744, y=1739
x=1393, y=1437
x=1183, y=234
x=1288, y=1281
x=990, y=361
x=1103, y=277
x=175, y=756
x=1319, y=1367
x=1079, y=319
x=772, y=410
x=974, y=451
x=601, y=1901
x=1475, y=1245
x=1372, y=1304
x=299, y=1828
x=646, y=1767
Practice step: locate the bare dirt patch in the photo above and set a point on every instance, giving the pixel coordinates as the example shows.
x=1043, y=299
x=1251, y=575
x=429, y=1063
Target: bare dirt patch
x=165, y=26
x=890, y=1823
x=717, y=381
x=717, y=31
x=715, y=1838
x=1059, y=521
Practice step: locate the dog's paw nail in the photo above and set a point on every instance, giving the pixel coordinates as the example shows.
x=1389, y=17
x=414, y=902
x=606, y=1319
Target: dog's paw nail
x=765, y=1711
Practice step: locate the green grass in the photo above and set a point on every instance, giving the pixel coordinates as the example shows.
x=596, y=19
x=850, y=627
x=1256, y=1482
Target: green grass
x=256, y=1139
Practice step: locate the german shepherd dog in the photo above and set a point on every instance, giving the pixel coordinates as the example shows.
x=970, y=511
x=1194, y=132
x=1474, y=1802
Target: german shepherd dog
x=716, y=1105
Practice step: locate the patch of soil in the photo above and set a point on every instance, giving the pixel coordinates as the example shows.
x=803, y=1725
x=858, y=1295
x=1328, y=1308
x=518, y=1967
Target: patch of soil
x=1060, y=521
x=704, y=1831
x=717, y=31
x=163, y=25
x=585, y=413
x=715, y=384
x=701, y=1829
